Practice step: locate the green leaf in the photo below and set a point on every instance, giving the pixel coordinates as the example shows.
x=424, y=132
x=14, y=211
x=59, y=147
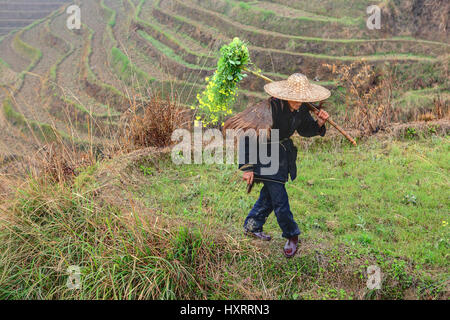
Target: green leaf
x=234, y=57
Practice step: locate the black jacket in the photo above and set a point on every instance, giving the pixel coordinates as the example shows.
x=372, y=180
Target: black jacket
x=287, y=122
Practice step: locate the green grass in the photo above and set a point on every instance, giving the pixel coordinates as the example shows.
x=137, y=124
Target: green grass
x=421, y=98
x=90, y=75
x=354, y=196
x=109, y=34
x=26, y=50
x=108, y=113
x=355, y=207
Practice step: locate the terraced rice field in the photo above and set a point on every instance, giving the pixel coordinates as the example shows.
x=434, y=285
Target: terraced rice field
x=58, y=83
x=17, y=14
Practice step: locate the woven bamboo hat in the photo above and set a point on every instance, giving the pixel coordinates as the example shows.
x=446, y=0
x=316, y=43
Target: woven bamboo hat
x=297, y=88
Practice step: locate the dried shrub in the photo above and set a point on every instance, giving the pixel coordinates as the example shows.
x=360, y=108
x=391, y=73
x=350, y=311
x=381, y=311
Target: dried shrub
x=61, y=163
x=153, y=126
x=427, y=116
x=368, y=94
x=440, y=110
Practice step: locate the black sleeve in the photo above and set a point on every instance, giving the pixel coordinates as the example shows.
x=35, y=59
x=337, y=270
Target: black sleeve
x=276, y=106
x=308, y=127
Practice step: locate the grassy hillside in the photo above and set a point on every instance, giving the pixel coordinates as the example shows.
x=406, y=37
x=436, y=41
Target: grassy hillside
x=140, y=227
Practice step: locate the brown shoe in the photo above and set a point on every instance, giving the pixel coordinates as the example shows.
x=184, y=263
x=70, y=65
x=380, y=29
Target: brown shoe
x=259, y=235
x=290, y=248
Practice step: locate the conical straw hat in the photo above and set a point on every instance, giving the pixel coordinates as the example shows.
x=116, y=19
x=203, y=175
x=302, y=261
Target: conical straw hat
x=297, y=88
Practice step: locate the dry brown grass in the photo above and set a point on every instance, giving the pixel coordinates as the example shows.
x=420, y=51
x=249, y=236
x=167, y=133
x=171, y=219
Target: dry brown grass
x=368, y=95
x=61, y=163
x=437, y=111
x=152, y=123
x=145, y=124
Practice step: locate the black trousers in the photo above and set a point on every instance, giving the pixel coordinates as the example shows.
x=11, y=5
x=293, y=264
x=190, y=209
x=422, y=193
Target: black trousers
x=273, y=197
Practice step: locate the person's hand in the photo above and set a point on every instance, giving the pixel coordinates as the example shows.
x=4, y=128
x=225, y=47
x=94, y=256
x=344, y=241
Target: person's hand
x=248, y=176
x=322, y=117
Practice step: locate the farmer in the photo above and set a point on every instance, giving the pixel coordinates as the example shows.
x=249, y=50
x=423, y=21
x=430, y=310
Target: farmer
x=286, y=111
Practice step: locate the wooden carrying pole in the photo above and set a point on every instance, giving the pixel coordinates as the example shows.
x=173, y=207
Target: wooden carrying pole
x=311, y=107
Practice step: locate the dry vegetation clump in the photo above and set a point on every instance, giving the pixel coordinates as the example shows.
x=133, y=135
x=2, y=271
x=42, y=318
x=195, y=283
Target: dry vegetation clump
x=368, y=94
x=145, y=124
x=152, y=124
x=61, y=163
x=440, y=111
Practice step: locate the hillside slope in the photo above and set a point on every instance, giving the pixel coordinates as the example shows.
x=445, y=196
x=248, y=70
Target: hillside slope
x=73, y=85
x=140, y=227
x=73, y=192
